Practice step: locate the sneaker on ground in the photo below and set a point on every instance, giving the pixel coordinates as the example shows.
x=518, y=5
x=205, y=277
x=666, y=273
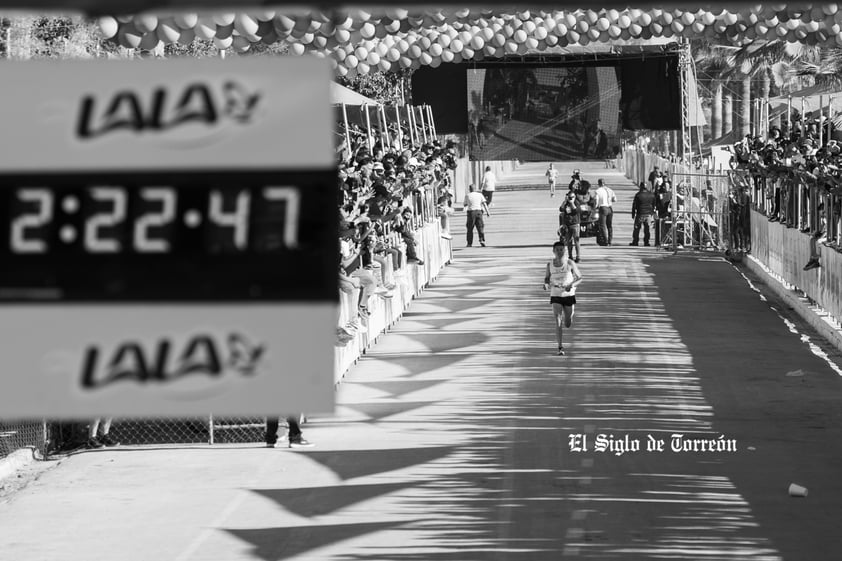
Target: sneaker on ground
x=93, y=442
x=106, y=440
x=812, y=264
x=300, y=443
x=281, y=441
x=576, y=260
x=482, y=244
x=447, y=236
x=560, y=351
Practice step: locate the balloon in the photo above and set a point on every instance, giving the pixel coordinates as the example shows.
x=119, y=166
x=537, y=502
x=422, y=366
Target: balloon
x=447, y=56
x=643, y=20
x=602, y=24
x=363, y=68
x=295, y=48
x=561, y=30
x=593, y=34
x=245, y=24
x=456, y=46
x=477, y=43
x=519, y=36
x=541, y=33
x=129, y=37
x=351, y=61
x=240, y=44
x=687, y=18
x=224, y=19
x=108, y=27
x=186, y=37
x=145, y=23
x=168, y=31
x=614, y=31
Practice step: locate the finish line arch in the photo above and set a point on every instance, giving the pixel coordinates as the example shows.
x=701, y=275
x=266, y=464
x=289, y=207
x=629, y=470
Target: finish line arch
x=358, y=41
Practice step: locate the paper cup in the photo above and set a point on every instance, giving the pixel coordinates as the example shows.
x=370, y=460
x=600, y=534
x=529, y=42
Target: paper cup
x=797, y=490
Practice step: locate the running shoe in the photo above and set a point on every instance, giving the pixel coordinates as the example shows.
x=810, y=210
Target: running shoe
x=300, y=443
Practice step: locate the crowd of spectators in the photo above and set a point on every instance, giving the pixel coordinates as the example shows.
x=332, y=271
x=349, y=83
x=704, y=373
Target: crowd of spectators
x=386, y=191
x=796, y=178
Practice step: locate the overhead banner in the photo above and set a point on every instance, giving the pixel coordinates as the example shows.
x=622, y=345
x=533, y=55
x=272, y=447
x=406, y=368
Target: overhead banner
x=164, y=249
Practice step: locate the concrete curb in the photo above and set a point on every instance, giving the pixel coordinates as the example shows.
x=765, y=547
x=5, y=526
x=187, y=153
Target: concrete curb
x=14, y=461
x=818, y=318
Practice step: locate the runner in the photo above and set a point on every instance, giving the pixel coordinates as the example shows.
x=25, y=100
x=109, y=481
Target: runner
x=561, y=279
x=552, y=176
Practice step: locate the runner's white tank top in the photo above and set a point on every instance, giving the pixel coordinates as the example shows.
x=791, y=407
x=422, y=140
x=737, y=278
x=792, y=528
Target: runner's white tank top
x=560, y=276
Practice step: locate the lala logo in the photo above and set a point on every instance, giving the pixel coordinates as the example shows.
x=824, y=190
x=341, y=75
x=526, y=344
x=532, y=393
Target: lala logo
x=165, y=110
x=200, y=355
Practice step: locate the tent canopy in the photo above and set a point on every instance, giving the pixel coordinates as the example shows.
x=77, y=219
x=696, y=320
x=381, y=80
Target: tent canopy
x=340, y=95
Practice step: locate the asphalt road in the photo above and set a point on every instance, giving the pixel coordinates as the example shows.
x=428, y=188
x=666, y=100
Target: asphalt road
x=452, y=436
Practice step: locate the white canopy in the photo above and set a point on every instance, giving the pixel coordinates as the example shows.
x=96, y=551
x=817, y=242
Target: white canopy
x=340, y=95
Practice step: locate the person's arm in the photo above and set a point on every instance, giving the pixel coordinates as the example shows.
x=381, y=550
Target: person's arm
x=547, y=278
x=635, y=205
x=485, y=208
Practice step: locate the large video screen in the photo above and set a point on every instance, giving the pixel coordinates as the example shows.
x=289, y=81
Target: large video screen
x=562, y=109
x=543, y=113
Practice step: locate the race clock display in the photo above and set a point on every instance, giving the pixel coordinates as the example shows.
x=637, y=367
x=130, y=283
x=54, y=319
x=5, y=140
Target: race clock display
x=184, y=236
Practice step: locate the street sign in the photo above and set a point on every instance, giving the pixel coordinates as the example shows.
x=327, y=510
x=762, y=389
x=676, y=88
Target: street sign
x=166, y=243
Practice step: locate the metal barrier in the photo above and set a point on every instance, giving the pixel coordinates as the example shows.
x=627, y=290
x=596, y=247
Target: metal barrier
x=17, y=434
x=701, y=217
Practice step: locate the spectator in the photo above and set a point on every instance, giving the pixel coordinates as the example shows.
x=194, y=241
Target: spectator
x=654, y=175
x=293, y=437
x=570, y=220
x=475, y=206
x=403, y=225
x=98, y=438
x=605, y=199
x=643, y=209
x=489, y=184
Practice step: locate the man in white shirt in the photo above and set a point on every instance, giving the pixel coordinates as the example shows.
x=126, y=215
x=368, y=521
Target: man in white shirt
x=489, y=182
x=552, y=176
x=605, y=199
x=475, y=207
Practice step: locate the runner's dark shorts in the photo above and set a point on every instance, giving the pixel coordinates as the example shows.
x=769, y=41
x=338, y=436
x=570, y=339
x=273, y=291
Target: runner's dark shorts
x=563, y=300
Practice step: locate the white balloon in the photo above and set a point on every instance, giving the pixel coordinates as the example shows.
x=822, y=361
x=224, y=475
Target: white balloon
x=295, y=48
x=245, y=24
x=224, y=19
x=168, y=31
x=145, y=23
x=456, y=46
x=108, y=26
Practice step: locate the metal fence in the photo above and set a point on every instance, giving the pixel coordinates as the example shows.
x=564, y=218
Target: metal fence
x=702, y=213
x=17, y=434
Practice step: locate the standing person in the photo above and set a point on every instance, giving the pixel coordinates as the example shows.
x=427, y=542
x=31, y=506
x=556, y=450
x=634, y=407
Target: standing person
x=293, y=437
x=98, y=438
x=643, y=209
x=552, y=176
x=575, y=181
x=475, y=205
x=653, y=175
x=570, y=221
x=561, y=280
x=605, y=199
x=489, y=183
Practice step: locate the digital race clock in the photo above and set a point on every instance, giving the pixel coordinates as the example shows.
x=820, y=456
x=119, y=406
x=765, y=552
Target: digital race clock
x=222, y=236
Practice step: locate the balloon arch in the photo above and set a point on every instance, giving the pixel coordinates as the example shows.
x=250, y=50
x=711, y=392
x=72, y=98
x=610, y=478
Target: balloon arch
x=358, y=41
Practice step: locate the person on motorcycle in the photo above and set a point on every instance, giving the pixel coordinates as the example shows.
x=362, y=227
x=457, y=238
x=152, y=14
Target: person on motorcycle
x=569, y=220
